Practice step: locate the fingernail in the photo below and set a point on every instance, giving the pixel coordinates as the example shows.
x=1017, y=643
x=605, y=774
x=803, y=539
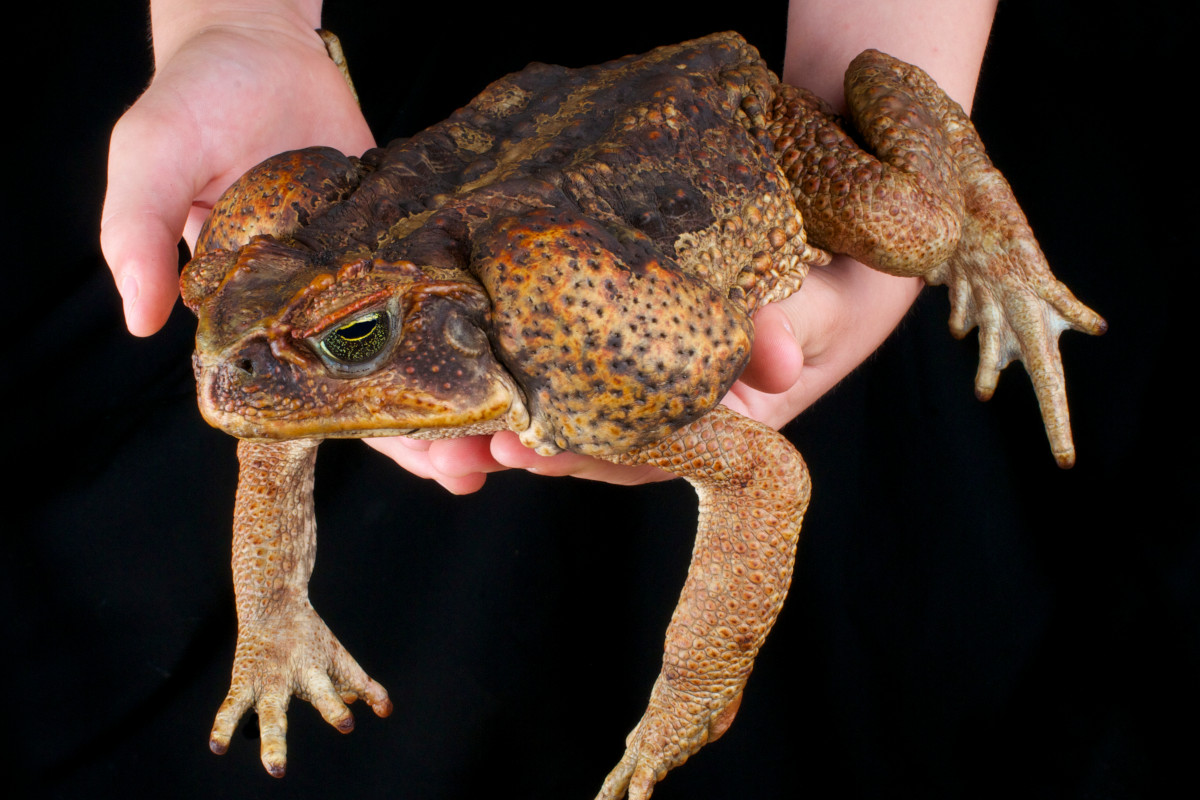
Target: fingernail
x=129, y=293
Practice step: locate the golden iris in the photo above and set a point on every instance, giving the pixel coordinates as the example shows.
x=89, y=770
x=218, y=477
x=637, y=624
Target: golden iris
x=359, y=340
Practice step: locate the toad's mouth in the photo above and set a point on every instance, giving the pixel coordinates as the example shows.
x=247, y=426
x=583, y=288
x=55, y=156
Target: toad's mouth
x=290, y=403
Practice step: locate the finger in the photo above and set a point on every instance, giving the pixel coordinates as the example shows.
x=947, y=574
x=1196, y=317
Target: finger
x=467, y=484
x=397, y=449
x=143, y=219
x=418, y=463
x=776, y=359
x=458, y=458
x=141, y=250
x=507, y=449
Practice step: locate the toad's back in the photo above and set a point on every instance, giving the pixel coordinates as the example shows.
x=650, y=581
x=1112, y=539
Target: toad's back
x=657, y=148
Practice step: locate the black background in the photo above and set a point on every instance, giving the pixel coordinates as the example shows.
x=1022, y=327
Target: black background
x=967, y=621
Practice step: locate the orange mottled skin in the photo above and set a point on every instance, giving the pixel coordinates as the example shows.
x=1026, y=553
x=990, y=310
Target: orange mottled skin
x=576, y=256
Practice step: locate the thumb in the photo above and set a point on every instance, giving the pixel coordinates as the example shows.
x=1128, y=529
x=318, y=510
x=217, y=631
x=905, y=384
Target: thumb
x=776, y=360
x=145, y=208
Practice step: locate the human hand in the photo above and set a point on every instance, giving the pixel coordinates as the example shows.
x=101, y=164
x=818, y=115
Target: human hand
x=803, y=346
x=231, y=88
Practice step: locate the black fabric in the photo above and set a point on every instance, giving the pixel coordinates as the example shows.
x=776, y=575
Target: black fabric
x=967, y=621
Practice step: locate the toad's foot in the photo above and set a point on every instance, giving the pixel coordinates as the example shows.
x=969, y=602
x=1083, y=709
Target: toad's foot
x=926, y=200
x=1000, y=281
x=292, y=654
x=674, y=726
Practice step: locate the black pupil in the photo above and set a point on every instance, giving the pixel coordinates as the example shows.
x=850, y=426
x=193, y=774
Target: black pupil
x=356, y=331
x=358, y=341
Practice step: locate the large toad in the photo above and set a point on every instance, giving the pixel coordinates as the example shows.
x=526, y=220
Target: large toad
x=576, y=256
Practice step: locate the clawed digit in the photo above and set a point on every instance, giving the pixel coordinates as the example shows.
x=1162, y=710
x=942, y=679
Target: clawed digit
x=297, y=656
x=1020, y=310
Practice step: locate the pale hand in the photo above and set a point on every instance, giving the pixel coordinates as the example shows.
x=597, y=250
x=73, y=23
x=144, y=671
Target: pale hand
x=224, y=97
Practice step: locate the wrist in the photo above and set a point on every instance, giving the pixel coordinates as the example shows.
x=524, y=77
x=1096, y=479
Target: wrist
x=174, y=22
x=946, y=38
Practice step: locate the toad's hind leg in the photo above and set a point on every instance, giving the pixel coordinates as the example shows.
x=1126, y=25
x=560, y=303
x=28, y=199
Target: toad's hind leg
x=753, y=489
x=929, y=202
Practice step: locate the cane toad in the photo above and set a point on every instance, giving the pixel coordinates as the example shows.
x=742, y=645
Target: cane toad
x=575, y=256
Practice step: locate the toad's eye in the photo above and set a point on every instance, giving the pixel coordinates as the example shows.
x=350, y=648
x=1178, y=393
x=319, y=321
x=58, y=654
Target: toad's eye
x=357, y=342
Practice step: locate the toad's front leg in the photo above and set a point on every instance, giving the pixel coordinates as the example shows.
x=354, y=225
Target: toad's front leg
x=284, y=648
x=753, y=489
